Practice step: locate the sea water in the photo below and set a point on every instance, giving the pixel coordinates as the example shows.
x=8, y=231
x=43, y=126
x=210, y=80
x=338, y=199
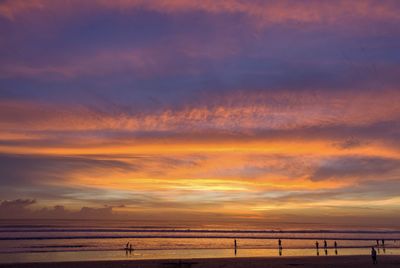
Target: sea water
x=77, y=240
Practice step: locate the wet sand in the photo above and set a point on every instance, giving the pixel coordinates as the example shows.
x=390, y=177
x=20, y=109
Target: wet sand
x=271, y=262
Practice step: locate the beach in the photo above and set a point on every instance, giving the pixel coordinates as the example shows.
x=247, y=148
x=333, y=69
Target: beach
x=271, y=262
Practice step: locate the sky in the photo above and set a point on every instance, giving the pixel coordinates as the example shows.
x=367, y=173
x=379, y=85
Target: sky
x=226, y=111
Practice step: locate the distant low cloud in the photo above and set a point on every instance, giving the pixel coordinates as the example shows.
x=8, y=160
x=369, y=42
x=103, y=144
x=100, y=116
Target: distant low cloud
x=21, y=208
x=15, y=208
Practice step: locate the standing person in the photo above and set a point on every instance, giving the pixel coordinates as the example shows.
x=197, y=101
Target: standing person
x=235, y=245
x=325, y=244
x=127, y=248
x=317, y=245
x=280, y=247
x=377, y=242
x=383, y=242
x=373, y=255
x=335, y=244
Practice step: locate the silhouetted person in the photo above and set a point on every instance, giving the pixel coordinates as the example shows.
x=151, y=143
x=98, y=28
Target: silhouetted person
x=383, y=245
x=280, y=247
x=377, y=242
x=325, y=244
x=326, y=252
x=126, y=249
x=335, y=245
x=235, y=245
x=373, y=255
x=130, y=248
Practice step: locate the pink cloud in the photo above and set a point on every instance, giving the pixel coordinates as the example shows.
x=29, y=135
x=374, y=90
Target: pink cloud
x=241, y=110
x=262, y=11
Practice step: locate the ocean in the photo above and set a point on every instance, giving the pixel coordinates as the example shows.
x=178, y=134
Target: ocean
x=78, y=240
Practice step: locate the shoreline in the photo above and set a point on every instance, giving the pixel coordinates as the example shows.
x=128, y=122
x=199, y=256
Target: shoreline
x=151, y=255
x=237, y=262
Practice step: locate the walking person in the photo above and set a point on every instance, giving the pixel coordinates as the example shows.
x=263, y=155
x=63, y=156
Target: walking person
x=373, y=255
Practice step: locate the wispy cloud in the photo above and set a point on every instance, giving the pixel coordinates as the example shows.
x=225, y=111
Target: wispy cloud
x=244, y=107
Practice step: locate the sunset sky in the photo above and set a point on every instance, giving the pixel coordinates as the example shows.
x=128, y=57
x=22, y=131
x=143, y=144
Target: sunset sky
x=232, y=111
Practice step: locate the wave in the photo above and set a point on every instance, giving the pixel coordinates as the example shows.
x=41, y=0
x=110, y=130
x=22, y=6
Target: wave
x=58, y=246
x=190, y=237
x=151, y=230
